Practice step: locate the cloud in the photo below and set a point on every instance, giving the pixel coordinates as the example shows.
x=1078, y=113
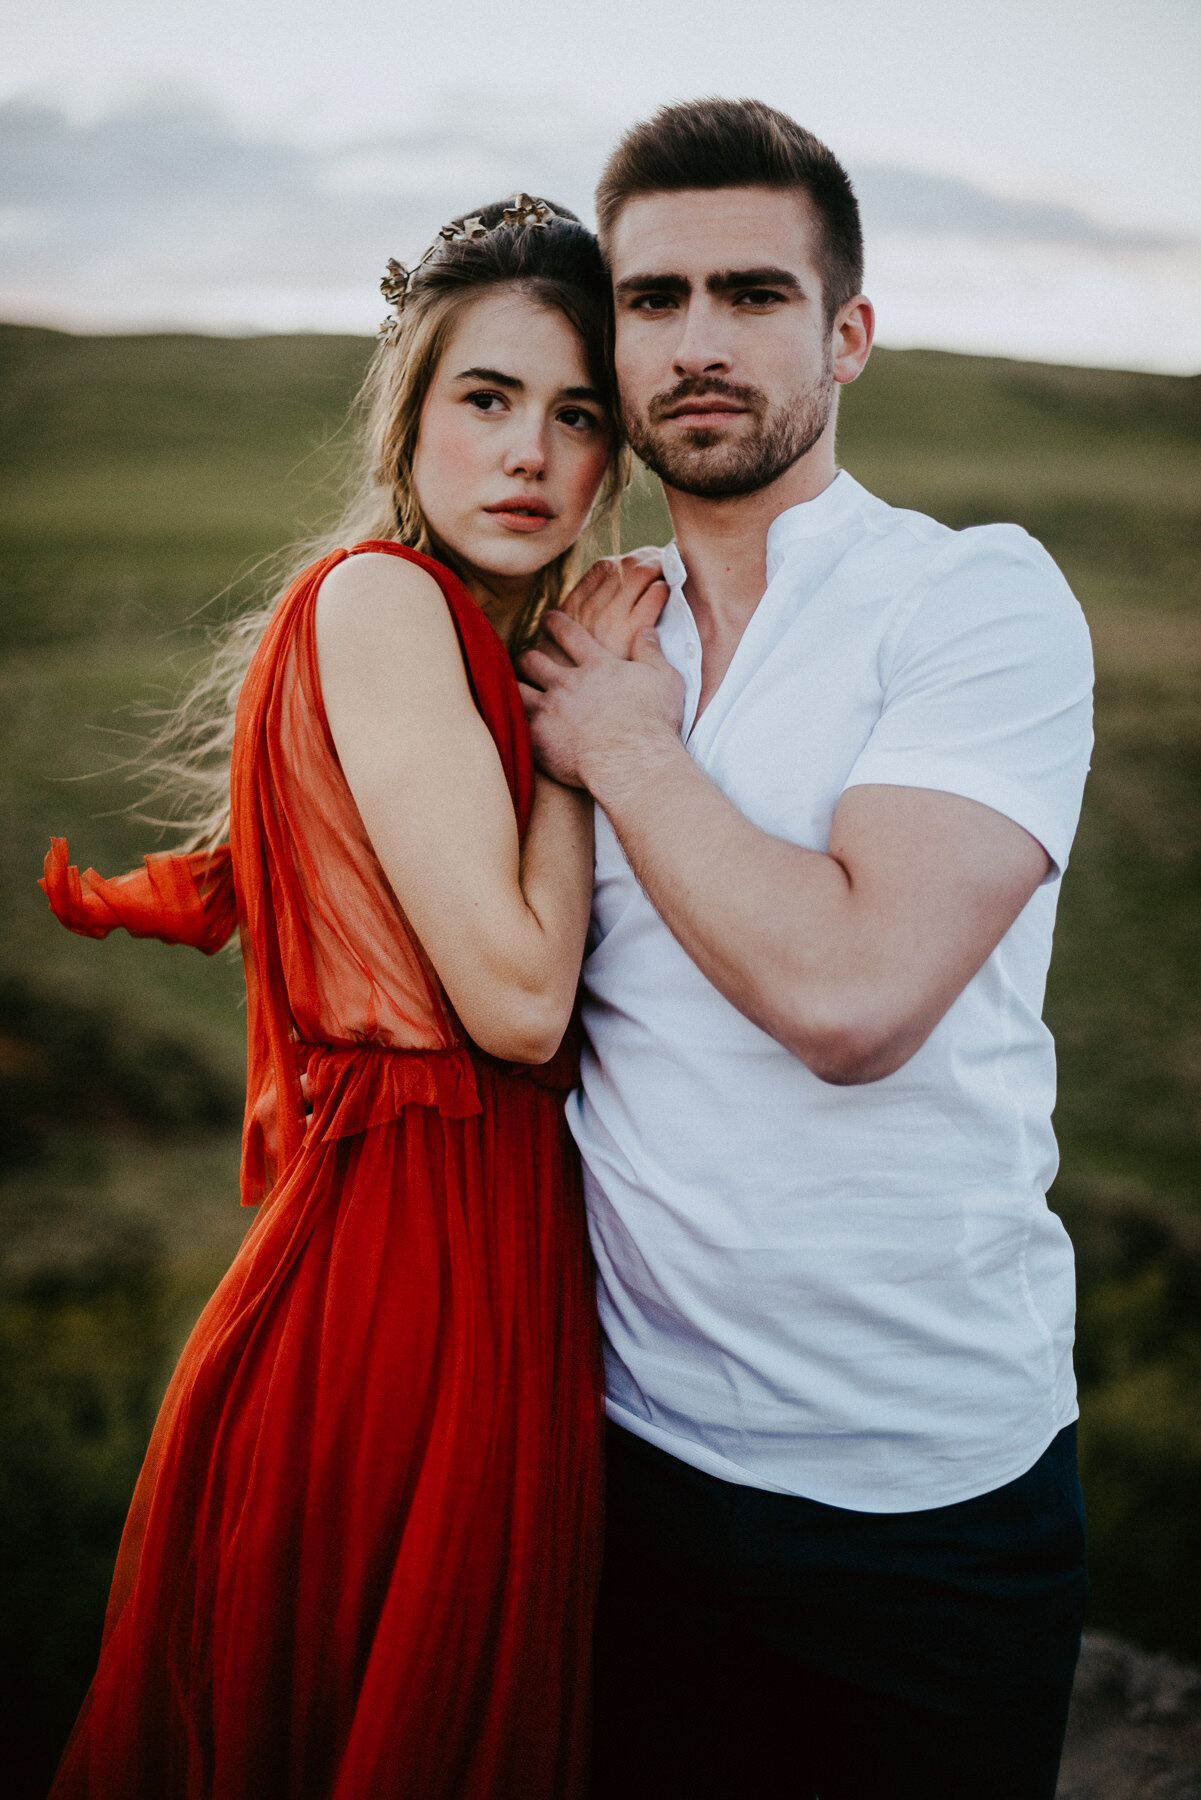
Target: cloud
x=163, y=214
x=894, y=199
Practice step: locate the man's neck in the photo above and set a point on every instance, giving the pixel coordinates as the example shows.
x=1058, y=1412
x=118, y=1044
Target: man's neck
x=723, y=543
x=723, y=546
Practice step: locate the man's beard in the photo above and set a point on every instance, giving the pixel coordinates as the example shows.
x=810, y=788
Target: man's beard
x=714, y=466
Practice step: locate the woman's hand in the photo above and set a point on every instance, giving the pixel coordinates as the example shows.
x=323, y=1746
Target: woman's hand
x=595, y=718
x=619, y=598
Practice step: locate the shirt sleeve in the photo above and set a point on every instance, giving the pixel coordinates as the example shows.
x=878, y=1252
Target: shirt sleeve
x=987, y=684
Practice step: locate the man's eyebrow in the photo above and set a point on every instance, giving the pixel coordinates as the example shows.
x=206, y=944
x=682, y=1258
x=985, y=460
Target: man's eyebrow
x=493, y=375
x=724, y=281
x=650, y=283
x=721, y=281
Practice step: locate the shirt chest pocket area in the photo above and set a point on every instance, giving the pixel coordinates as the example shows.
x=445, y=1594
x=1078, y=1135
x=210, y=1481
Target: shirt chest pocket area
x=785, y=763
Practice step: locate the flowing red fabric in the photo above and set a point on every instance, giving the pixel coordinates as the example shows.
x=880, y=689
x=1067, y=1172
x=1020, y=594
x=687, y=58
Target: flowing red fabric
x=361, y=1556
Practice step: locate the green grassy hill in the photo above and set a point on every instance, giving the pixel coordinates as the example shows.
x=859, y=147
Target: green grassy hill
x=145, y=485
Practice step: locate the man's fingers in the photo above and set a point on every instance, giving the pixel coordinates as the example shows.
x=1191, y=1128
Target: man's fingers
x=578, y=642
x=548, y=647
x=540, y=667
x=646, y=648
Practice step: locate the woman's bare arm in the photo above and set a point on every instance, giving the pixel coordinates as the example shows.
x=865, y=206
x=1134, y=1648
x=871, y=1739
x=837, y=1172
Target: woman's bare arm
x=502, y=923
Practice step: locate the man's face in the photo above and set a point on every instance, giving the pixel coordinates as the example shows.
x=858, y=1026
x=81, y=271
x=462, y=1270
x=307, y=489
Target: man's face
x=723, y=357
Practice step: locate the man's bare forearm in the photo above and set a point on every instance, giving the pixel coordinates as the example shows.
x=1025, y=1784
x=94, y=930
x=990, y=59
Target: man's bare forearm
x=848, y=957
x=769, y=923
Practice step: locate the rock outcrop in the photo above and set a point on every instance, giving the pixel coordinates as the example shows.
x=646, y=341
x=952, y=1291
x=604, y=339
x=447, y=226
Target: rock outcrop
x=1135, y=1726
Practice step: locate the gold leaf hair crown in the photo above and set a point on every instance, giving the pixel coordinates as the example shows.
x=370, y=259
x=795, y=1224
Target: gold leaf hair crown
x=397, y=284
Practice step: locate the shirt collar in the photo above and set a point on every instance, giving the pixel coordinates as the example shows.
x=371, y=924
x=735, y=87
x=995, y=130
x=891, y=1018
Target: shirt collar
x=674, y=572
x=832, y=507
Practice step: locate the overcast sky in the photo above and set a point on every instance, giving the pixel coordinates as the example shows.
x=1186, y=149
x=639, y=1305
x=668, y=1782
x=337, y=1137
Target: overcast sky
x=1030, y=169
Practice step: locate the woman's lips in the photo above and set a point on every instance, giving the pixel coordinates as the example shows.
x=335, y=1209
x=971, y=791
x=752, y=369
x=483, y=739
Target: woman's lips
x=518, y=515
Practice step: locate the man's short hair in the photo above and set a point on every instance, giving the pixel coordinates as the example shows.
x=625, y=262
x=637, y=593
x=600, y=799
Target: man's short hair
x=739, y=143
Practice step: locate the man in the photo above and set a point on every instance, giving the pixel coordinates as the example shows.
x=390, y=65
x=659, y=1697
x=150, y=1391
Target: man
x=835, y=796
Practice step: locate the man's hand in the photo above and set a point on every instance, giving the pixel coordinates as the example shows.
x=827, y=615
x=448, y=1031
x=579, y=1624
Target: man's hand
x=619, y=598
x=595, y=718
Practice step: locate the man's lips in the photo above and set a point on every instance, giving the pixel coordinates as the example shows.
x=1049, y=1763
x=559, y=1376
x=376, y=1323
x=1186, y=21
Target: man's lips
x=703, y=410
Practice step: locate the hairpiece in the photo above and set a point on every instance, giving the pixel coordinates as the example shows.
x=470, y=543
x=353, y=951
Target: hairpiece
x=397, y=284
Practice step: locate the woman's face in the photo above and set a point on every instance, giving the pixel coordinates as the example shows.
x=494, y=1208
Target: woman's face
x=513, y=443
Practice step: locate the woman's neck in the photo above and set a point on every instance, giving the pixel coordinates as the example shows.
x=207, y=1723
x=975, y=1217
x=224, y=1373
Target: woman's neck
x=502, y=606
x=501, y=598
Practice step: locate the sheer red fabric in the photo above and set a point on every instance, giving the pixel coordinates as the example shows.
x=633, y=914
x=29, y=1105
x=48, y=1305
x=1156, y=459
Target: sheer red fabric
x=361, y=1556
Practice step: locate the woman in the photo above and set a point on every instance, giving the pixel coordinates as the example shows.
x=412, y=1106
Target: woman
x=361, y=1554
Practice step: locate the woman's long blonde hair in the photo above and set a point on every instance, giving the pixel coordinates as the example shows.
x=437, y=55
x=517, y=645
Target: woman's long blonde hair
x=558, y=264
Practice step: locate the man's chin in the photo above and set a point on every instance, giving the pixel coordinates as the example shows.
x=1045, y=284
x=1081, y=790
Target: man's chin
x=698, y=471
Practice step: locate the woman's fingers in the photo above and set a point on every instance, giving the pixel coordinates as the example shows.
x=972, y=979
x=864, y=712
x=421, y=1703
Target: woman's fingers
x=600, y=573
x=614, y=598
x=644, y=614
x=614, y=579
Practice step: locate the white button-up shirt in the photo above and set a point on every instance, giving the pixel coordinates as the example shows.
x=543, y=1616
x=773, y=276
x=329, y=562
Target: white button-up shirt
x=857, y=1293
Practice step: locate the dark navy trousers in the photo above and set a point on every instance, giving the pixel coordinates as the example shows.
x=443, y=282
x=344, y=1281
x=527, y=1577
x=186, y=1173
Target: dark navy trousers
x=758, y=1646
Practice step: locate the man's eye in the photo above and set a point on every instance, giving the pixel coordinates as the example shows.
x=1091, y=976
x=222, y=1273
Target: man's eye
x=654, y=303
x=760, y=297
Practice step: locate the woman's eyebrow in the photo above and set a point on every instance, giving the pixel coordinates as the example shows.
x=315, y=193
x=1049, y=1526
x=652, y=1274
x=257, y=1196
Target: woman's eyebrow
x=493, y=375
x=499, y=379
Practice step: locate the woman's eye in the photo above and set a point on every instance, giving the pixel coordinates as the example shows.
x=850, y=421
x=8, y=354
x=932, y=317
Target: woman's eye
x=578, y=418
x=485, y=402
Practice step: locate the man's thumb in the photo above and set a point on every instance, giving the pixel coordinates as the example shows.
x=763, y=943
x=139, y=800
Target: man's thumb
x=646, y=647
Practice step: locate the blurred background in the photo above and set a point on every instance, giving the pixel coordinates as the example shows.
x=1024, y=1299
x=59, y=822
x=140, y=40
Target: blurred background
x=196, y=204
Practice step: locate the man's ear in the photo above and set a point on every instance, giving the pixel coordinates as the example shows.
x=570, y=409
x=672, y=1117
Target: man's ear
x=851, y=337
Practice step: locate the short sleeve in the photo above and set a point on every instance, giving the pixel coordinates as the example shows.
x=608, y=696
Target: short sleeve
x=988, y=688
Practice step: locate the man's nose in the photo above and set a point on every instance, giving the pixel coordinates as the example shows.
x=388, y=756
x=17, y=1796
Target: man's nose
x=701, y=348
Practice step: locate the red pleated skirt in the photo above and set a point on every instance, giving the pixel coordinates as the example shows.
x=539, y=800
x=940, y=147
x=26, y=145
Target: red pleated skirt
x=361, y=1558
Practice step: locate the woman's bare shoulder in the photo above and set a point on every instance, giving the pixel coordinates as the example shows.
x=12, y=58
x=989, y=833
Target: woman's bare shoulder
x=375, y=609
x=360, y=583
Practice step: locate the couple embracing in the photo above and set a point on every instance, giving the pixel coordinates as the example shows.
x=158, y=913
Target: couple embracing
x=798, y=795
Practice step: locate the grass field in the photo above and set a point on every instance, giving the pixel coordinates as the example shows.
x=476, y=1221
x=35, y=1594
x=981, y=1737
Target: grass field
x=145, y=481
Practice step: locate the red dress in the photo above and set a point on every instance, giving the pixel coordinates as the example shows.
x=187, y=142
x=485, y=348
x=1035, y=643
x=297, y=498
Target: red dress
x=361, y=1555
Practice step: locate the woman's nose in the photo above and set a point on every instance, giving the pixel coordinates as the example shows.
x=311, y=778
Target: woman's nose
x=527, y=453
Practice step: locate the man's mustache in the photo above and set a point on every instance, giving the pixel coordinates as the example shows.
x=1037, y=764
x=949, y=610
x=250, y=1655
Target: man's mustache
x=704, y=387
